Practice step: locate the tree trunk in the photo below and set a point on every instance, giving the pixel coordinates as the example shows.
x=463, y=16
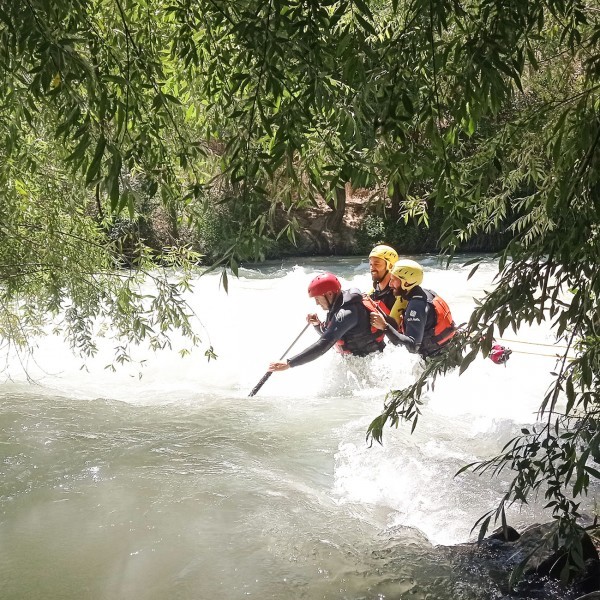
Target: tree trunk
x=397, y=199
x=336, y=218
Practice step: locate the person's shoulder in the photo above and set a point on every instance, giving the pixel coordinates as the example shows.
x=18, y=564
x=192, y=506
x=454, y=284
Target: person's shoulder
x=352, y=295
x=418, y=294
x=352, y=299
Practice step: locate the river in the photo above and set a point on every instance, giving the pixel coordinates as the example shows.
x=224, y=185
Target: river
x=163, y=480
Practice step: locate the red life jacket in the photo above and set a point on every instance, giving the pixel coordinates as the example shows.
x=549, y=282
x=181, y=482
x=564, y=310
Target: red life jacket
x=444, y=328
x=372, y=306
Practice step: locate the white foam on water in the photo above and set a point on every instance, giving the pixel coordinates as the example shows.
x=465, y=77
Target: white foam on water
x=411, y=477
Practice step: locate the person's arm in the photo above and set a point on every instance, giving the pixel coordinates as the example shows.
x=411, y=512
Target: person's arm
x=399, y=339
x=415, y=319
x=343, y=321
x=313, y=319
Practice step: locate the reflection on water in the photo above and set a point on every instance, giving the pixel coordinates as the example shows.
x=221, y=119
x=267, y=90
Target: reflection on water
x=180, y=486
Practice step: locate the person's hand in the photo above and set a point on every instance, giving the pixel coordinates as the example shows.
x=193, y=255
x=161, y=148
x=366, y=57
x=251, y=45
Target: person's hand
x=313, y=319
x=378, y=321
x=279, y=366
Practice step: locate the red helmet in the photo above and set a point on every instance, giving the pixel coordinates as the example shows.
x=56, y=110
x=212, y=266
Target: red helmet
x=321, y=284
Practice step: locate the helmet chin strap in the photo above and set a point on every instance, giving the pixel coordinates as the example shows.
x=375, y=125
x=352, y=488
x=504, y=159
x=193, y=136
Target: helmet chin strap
x=330, y=303
x=382, y=278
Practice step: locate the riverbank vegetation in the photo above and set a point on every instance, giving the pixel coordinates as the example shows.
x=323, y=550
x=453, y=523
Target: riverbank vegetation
x=154, y=132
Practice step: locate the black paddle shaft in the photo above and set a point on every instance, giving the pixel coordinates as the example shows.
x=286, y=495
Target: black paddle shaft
x=262, y=381
x=269, y=373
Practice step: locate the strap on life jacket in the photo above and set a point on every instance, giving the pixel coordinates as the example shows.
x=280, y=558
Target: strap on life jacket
x=375, y=306
x=372, y=306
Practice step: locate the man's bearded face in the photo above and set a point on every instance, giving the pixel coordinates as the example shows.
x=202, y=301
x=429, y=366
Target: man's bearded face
x=378, y=268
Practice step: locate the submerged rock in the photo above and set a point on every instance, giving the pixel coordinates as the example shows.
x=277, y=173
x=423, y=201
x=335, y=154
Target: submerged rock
x=500, y=553
x=504, y=535
x=550, y=564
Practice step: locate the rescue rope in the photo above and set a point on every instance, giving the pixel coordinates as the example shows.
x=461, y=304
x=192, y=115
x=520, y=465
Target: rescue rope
x=557, y=355
x=530, y=343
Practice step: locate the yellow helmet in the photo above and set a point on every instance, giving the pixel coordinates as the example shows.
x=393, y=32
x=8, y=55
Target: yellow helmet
x=409, y=272
x=386, y=253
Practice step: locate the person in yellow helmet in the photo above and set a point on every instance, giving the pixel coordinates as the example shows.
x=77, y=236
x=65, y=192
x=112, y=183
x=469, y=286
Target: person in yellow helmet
x=427, y=325
x=381, y=260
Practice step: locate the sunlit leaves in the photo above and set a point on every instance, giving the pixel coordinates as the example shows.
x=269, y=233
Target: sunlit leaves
x=231, y=114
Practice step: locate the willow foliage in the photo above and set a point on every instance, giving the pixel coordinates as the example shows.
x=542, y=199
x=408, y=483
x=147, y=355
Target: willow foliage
x=485, y=110
x=526, y=162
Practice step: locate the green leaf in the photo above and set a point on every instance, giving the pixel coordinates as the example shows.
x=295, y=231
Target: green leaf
x=592, y=471
x=408, y=105
x=94, y=168
x=224, y=280
x=112, y=181
x=79, y=151
x=473, y=270
x=483, y=529
x=571, y=398
x=234, y=266
x=172, y=99
x=467, y=360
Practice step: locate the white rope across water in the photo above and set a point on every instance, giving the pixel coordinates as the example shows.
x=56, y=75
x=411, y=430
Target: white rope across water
x=557, y=355
x=530, y=343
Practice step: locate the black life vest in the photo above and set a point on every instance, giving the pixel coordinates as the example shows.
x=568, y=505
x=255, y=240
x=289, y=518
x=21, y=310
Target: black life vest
x=362, y=339
x=384, y=296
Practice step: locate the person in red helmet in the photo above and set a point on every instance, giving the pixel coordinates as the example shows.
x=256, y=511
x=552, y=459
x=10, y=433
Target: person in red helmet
x=347, y=323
